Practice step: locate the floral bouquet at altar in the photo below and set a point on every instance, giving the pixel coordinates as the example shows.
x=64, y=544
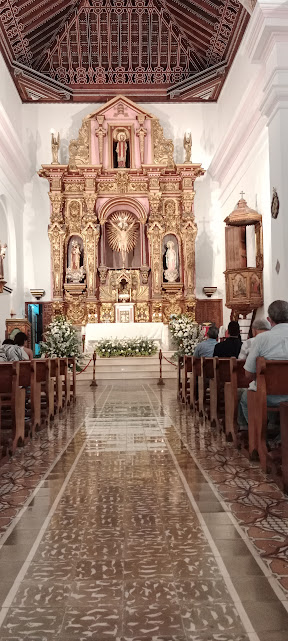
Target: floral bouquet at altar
x=186, y=334
x=108, y=347
x=61, y=340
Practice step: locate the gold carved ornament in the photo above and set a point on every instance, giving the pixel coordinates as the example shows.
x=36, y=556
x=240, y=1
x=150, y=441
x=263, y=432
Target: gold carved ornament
x=107, y=313
x=73, y=216
x=79, y=152
x=155, y=235
x=92, y=313
x=172, y=304
x=58, y=309
x=142, y=313
x=163, y=148
x=122, y=233
x=171, y=217
x=56, y=237
x=188, y=238
x=156, y=312
x=56, y=200
x=76, y=310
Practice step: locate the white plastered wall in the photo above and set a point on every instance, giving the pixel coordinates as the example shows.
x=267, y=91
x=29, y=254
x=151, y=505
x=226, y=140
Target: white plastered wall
x=12, y=180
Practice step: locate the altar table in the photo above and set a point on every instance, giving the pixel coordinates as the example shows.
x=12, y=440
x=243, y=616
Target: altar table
x=97, y=331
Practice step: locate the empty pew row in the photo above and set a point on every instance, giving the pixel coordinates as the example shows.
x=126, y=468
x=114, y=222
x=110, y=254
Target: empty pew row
x=212, y=387
x=31, y=394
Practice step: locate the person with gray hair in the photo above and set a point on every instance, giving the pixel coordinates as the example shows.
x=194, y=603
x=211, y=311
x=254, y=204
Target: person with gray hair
x=258, y=327
x=206, y=347
x=271, y=345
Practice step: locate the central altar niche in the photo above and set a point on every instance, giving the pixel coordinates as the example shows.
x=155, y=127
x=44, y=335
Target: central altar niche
x=122, y=226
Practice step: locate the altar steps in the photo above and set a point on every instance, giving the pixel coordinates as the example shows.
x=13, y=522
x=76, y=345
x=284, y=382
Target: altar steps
x=142, y=367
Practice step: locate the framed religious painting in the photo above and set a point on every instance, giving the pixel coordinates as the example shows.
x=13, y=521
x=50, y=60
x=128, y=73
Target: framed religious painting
x=275, y=204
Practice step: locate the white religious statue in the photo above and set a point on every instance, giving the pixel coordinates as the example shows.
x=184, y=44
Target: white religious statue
x=2, y=256
x=122, y=233
x=75, y=255
x=121, y=149
x=171, y=272
x=55, y=142
x=187, y=144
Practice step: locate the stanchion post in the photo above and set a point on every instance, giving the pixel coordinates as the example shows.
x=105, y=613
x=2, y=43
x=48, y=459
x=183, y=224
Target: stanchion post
x=160, y=382
x=94, y=382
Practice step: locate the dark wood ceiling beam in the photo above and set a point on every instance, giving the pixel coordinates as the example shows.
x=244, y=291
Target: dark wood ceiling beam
x=193, y=8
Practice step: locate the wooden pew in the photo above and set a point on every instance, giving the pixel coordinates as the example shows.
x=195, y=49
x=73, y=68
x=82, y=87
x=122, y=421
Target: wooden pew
x=72, y=373
x=284, y=444
x=185, y=382
x=42, y=393
x=206, y=374
x=65, y=381
x=237, y=381
x=179, y=379
x=25, y=377
x=272, y=379
x=12, y=398
x=221, y=376
x=56, y=385
x=196, y=371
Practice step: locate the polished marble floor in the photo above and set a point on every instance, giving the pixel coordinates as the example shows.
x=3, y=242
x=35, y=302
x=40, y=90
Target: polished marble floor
x=129, y=520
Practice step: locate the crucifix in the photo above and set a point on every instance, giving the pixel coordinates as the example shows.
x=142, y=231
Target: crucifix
x=242, y=194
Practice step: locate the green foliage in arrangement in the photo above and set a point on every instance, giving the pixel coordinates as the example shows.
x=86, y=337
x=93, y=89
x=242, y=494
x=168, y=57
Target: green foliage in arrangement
x=61, y=340
x=108, y=348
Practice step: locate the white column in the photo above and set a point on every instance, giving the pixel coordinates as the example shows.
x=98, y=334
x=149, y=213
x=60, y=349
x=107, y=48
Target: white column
x=269, y=46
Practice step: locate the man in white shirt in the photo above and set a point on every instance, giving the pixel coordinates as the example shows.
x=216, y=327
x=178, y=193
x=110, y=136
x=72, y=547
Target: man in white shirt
x=271, y=345
x=258, y=327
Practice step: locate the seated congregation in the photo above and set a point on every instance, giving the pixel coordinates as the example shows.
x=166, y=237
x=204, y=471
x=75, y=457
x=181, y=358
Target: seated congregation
x=242, y=388
x=32, y=392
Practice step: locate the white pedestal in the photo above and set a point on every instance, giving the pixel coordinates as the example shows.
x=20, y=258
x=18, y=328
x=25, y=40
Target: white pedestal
x=124, y=312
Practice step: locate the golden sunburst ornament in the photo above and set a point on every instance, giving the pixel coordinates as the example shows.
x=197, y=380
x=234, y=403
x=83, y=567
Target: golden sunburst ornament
x=122, y=232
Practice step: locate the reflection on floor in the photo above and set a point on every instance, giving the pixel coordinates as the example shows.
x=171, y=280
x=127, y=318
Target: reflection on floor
x=126, y=537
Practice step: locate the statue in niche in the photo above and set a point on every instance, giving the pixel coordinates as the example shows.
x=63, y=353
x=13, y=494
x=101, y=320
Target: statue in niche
x=121, y=155
x=75, y=255
x=171, y=273
x=75, y=271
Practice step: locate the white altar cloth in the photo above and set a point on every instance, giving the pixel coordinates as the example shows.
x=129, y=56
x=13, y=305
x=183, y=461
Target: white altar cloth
x=156, y=331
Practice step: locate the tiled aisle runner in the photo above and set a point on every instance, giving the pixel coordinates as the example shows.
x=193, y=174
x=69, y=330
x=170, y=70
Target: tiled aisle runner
x=112, y=546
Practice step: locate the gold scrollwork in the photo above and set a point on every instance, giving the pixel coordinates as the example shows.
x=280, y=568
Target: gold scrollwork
x=163, y=148
x=107, y=313
x=142, y=313
x=156, y=310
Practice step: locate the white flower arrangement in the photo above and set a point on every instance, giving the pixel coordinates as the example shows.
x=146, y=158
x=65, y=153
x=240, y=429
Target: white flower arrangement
x=61, y=340
x=186, y=334
x=109, y=348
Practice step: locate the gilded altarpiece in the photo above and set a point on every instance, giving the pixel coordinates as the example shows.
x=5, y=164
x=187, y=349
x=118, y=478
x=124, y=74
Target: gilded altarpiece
x=122, y=225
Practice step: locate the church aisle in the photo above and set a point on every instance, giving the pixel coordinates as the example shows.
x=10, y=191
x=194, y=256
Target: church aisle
x=126, y=539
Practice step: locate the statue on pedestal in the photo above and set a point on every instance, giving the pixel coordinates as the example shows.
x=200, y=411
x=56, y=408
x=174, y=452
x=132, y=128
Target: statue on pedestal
x=187, y=144
x=121, y=149
x=171, y=272
x=55, y=142
x=122, y=233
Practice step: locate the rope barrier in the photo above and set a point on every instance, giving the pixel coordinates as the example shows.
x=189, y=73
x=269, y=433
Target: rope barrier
x=166, y=359
x=83, y=370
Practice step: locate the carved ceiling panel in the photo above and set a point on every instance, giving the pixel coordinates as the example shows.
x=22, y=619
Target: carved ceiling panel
x=90, y=50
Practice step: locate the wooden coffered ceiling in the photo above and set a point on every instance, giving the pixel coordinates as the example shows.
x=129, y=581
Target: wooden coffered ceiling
x=149, y=50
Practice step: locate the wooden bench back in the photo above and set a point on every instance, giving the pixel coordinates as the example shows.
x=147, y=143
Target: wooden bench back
x=188, y=364
x=7, y=371
x=63, y=364
x=238, y=367
x=54, y=365
x=41, y=366
x=196, y=366
x=272, y=376
x=207, y=367
x=25, y=369
x=222, y=369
